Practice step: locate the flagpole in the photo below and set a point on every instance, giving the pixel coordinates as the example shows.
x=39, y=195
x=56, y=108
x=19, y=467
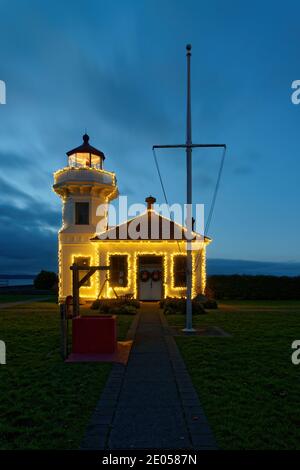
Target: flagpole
x=189, y=146
x=189, y=314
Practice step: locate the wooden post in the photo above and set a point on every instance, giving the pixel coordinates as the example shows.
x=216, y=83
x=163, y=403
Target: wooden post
x=64, y=332
x=75, y=290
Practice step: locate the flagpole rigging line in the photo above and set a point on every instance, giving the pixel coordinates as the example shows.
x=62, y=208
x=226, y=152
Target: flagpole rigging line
x=215, y=193
x=163, y=188
x=213, y=202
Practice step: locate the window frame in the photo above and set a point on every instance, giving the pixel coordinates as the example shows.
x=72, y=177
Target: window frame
x=114, y=282
x=77, y=203
x=176, y=283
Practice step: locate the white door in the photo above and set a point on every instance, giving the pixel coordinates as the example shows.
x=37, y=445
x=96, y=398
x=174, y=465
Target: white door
x=150, y=282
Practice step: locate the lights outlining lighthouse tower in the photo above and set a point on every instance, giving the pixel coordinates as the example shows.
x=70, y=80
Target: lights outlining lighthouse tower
x=83, y=185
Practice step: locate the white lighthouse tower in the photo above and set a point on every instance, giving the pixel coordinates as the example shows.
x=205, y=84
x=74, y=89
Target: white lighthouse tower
x=83, y=186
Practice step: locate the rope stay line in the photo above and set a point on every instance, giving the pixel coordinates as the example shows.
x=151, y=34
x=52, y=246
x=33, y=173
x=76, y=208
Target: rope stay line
x=213, y=202
x=163, y=188
x=160, y=178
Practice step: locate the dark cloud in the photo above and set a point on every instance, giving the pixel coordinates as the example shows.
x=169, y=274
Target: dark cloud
x=28, y=232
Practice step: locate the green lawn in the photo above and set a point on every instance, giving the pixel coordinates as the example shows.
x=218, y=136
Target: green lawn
x=248, y=386
x=45, y=403
x=5, y=298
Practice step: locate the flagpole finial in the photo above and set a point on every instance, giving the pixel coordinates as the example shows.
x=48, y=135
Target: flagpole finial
x=189, y=48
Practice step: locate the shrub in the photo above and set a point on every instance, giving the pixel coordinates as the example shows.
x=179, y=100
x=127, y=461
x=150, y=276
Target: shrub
x=116, y=306
x=175, y=306
x=95, y=305
x=127, y=310
x=46, y=280
x=206, y=302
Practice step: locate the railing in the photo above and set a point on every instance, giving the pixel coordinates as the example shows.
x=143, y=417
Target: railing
x=84, y=173
x=76, y=164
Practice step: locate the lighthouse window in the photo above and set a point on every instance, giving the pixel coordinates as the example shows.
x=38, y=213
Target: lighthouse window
x=118, y=271
x=179, y=270
x=82, y=213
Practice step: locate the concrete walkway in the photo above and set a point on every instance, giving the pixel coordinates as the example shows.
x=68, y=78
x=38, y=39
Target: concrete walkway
x=151, y=403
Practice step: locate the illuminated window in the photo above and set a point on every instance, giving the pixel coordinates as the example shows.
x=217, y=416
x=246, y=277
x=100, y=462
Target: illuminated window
x=82, y=213
x=118, y=276
x=83, y=261
x=179, y=270
x=83, y=159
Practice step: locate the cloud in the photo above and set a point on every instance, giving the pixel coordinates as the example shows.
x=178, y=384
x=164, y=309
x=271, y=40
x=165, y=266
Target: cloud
x=243, y=170
x=28, y=240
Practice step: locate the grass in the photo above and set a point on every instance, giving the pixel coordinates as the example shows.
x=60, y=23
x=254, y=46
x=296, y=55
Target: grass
x=45, y=403
x=5, y=298
x=249, y=388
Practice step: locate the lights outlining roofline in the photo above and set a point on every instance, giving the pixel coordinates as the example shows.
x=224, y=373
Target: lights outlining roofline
x=85, y=168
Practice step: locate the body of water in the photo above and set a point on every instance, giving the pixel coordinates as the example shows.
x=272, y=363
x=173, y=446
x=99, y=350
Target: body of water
x=16, y=282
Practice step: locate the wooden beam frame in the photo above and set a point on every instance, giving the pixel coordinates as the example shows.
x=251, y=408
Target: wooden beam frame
x=75, y=268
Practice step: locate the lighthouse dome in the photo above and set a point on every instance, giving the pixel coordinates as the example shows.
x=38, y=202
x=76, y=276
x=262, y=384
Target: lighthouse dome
x=86, y=155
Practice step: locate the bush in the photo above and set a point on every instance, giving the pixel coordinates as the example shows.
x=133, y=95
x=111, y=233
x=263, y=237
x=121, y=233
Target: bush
x=127, y=310
x=95, y=305
x=46, y=280
x=206, y=302
x=173, y=306
x=116, y=306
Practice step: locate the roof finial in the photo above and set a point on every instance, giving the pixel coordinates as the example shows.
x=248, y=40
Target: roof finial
x=86, y=138
x=150, y=201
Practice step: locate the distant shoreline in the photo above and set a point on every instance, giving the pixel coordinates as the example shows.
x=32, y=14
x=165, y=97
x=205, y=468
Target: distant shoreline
x=17, y=276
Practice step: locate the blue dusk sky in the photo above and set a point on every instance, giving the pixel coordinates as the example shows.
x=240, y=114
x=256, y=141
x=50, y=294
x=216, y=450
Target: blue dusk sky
x=118, y=69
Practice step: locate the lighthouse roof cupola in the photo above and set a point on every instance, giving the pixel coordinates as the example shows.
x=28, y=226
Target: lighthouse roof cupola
x=86, y=156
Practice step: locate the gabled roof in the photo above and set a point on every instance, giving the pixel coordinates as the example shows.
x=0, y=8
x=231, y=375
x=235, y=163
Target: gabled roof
x=86, y=148
x=151, y=226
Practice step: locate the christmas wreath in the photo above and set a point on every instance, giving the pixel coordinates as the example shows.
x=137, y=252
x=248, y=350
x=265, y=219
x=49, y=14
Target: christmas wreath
x=155, y=276
x=145, y=275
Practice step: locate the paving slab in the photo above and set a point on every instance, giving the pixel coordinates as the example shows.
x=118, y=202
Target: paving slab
x=151, y=401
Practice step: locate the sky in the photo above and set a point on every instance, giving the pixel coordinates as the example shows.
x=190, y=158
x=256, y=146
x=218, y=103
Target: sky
x=118, y=69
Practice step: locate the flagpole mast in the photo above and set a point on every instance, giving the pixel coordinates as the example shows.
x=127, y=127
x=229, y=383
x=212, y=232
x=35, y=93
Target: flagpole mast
x=189, y=314
x=188, y=146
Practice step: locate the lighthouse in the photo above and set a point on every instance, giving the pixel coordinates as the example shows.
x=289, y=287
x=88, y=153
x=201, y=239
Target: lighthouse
x=84, y=187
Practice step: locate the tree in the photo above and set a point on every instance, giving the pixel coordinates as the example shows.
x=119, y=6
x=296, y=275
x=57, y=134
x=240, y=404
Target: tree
x=46, y=280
